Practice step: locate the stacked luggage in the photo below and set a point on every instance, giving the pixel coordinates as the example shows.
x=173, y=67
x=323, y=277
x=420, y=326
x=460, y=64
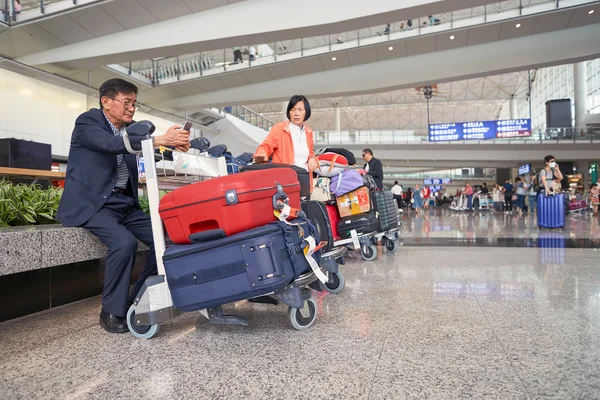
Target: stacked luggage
x=361, y=211
x=230, y=246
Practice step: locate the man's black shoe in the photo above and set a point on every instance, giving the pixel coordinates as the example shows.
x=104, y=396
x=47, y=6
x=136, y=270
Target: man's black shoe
x=112, y=323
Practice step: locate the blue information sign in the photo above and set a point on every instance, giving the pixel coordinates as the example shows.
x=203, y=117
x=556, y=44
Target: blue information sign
x=524, y=169
x=436, y=181
x=480, y=130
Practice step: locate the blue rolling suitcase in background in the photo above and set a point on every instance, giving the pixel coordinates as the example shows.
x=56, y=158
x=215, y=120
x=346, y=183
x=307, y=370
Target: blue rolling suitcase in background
x=249, y=264
x=551, y=211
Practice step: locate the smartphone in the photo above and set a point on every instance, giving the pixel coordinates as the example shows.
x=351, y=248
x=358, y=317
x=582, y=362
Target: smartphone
x=187, y=126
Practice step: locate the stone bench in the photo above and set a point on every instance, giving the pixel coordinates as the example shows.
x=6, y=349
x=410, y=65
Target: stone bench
x=43, y=267
x=35, y=247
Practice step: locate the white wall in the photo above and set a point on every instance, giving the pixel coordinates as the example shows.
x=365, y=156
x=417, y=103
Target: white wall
x=34, y=110
x=38, y=111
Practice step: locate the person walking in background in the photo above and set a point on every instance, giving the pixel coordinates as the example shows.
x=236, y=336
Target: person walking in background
x=468, y=192
x=497, y=198
x=409, y=198
x=521, y=194
x=595, y=197
x=373, y=167
x=508, y=191
x=426, y=196
x=237, y=55
x=418, y=200
x=397, y=192
x=533, y=194
x=252, y=53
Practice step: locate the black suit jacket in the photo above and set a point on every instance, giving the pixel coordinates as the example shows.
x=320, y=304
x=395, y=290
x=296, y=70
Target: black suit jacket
x=376, y=171
x=92, y=168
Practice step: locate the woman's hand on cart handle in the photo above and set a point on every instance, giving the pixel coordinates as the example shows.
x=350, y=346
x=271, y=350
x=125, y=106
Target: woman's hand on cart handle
x=260, y=159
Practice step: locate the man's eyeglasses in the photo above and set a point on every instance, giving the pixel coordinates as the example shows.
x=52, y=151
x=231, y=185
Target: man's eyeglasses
x=128, y=104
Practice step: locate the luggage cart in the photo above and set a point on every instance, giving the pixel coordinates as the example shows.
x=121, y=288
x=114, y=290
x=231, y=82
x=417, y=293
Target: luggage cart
x=391, y=239
x=330, y=261
x=485, y=203
x=362, y=242
x=153, y=305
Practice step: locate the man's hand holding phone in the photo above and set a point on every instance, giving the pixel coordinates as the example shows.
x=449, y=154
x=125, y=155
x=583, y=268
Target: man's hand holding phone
x=175, y=137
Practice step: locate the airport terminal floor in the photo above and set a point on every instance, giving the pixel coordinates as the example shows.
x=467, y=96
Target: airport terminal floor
x=442, y=318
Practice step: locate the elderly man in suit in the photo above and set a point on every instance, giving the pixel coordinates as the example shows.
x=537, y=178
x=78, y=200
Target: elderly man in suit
x=101, y=193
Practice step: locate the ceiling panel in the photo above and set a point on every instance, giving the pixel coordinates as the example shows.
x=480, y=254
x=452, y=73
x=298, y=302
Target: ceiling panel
x=421, y=45
x=282, y=70
x=510, y=30
x=26, y=39
x=362, y=55
x=384, y=52
x=460, y=40
x=484, y=34
x=581, y=17
x=210, y=84
x=187, y=89
x=234, y=79
x=308, y=65
x=129, y=13
x=96, y=21
x=341, y=60
x=552, y=21
x=65, y=29
x=201, y=5
x=257, y=75
x=157, y=94
x=163, y=10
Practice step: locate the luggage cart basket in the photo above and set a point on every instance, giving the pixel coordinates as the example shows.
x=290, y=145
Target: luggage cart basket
x=153, y=305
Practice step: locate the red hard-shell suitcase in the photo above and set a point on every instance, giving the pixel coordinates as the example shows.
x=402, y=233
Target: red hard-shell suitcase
x=334, y=218
x=226, y=205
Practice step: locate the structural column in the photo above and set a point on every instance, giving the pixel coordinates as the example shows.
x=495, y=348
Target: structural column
x=583, y=168
x=513, y=107
x=581, y=93
x=337, y=119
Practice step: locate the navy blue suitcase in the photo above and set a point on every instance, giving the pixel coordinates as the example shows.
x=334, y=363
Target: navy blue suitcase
x=551, y=211
x=238, y=267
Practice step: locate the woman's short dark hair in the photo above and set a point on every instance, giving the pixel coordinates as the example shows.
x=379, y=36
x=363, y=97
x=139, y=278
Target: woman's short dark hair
x=112, y=87
x=547, y=159
x=518, y=179
x=295, y=100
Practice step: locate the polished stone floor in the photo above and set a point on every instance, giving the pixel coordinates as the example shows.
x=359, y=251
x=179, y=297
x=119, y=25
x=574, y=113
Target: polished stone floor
x=428, y=322
x=445, y=227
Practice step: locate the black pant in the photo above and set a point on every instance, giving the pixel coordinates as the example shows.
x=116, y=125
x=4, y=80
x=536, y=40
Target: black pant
x=509, y=203
x=237, y=56
x=117, y=225
x=399, y=200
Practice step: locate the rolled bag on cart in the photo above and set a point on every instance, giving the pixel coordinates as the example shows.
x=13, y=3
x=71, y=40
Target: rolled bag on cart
x=252, y=263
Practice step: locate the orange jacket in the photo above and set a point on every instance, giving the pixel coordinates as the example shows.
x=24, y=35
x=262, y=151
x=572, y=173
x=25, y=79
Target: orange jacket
x=280, y=145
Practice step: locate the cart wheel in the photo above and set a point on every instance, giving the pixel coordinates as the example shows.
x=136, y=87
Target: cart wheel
x=139, y=331
x=369, y=253
x=336, y=282
x=299, y=322
x=391, y=246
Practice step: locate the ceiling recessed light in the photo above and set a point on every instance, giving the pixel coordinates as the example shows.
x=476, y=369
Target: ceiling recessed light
x=591, y=12
x=391, y=48
x=333, y=58
x=452, y=37
x=517, y=25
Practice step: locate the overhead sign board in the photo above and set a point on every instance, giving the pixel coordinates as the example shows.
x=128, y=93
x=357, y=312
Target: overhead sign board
x=524, y=169
x=437, y=181
x=480, y=130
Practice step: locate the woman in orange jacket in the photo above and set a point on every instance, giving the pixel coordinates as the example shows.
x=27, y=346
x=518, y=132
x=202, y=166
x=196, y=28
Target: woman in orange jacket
x=291, y=142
